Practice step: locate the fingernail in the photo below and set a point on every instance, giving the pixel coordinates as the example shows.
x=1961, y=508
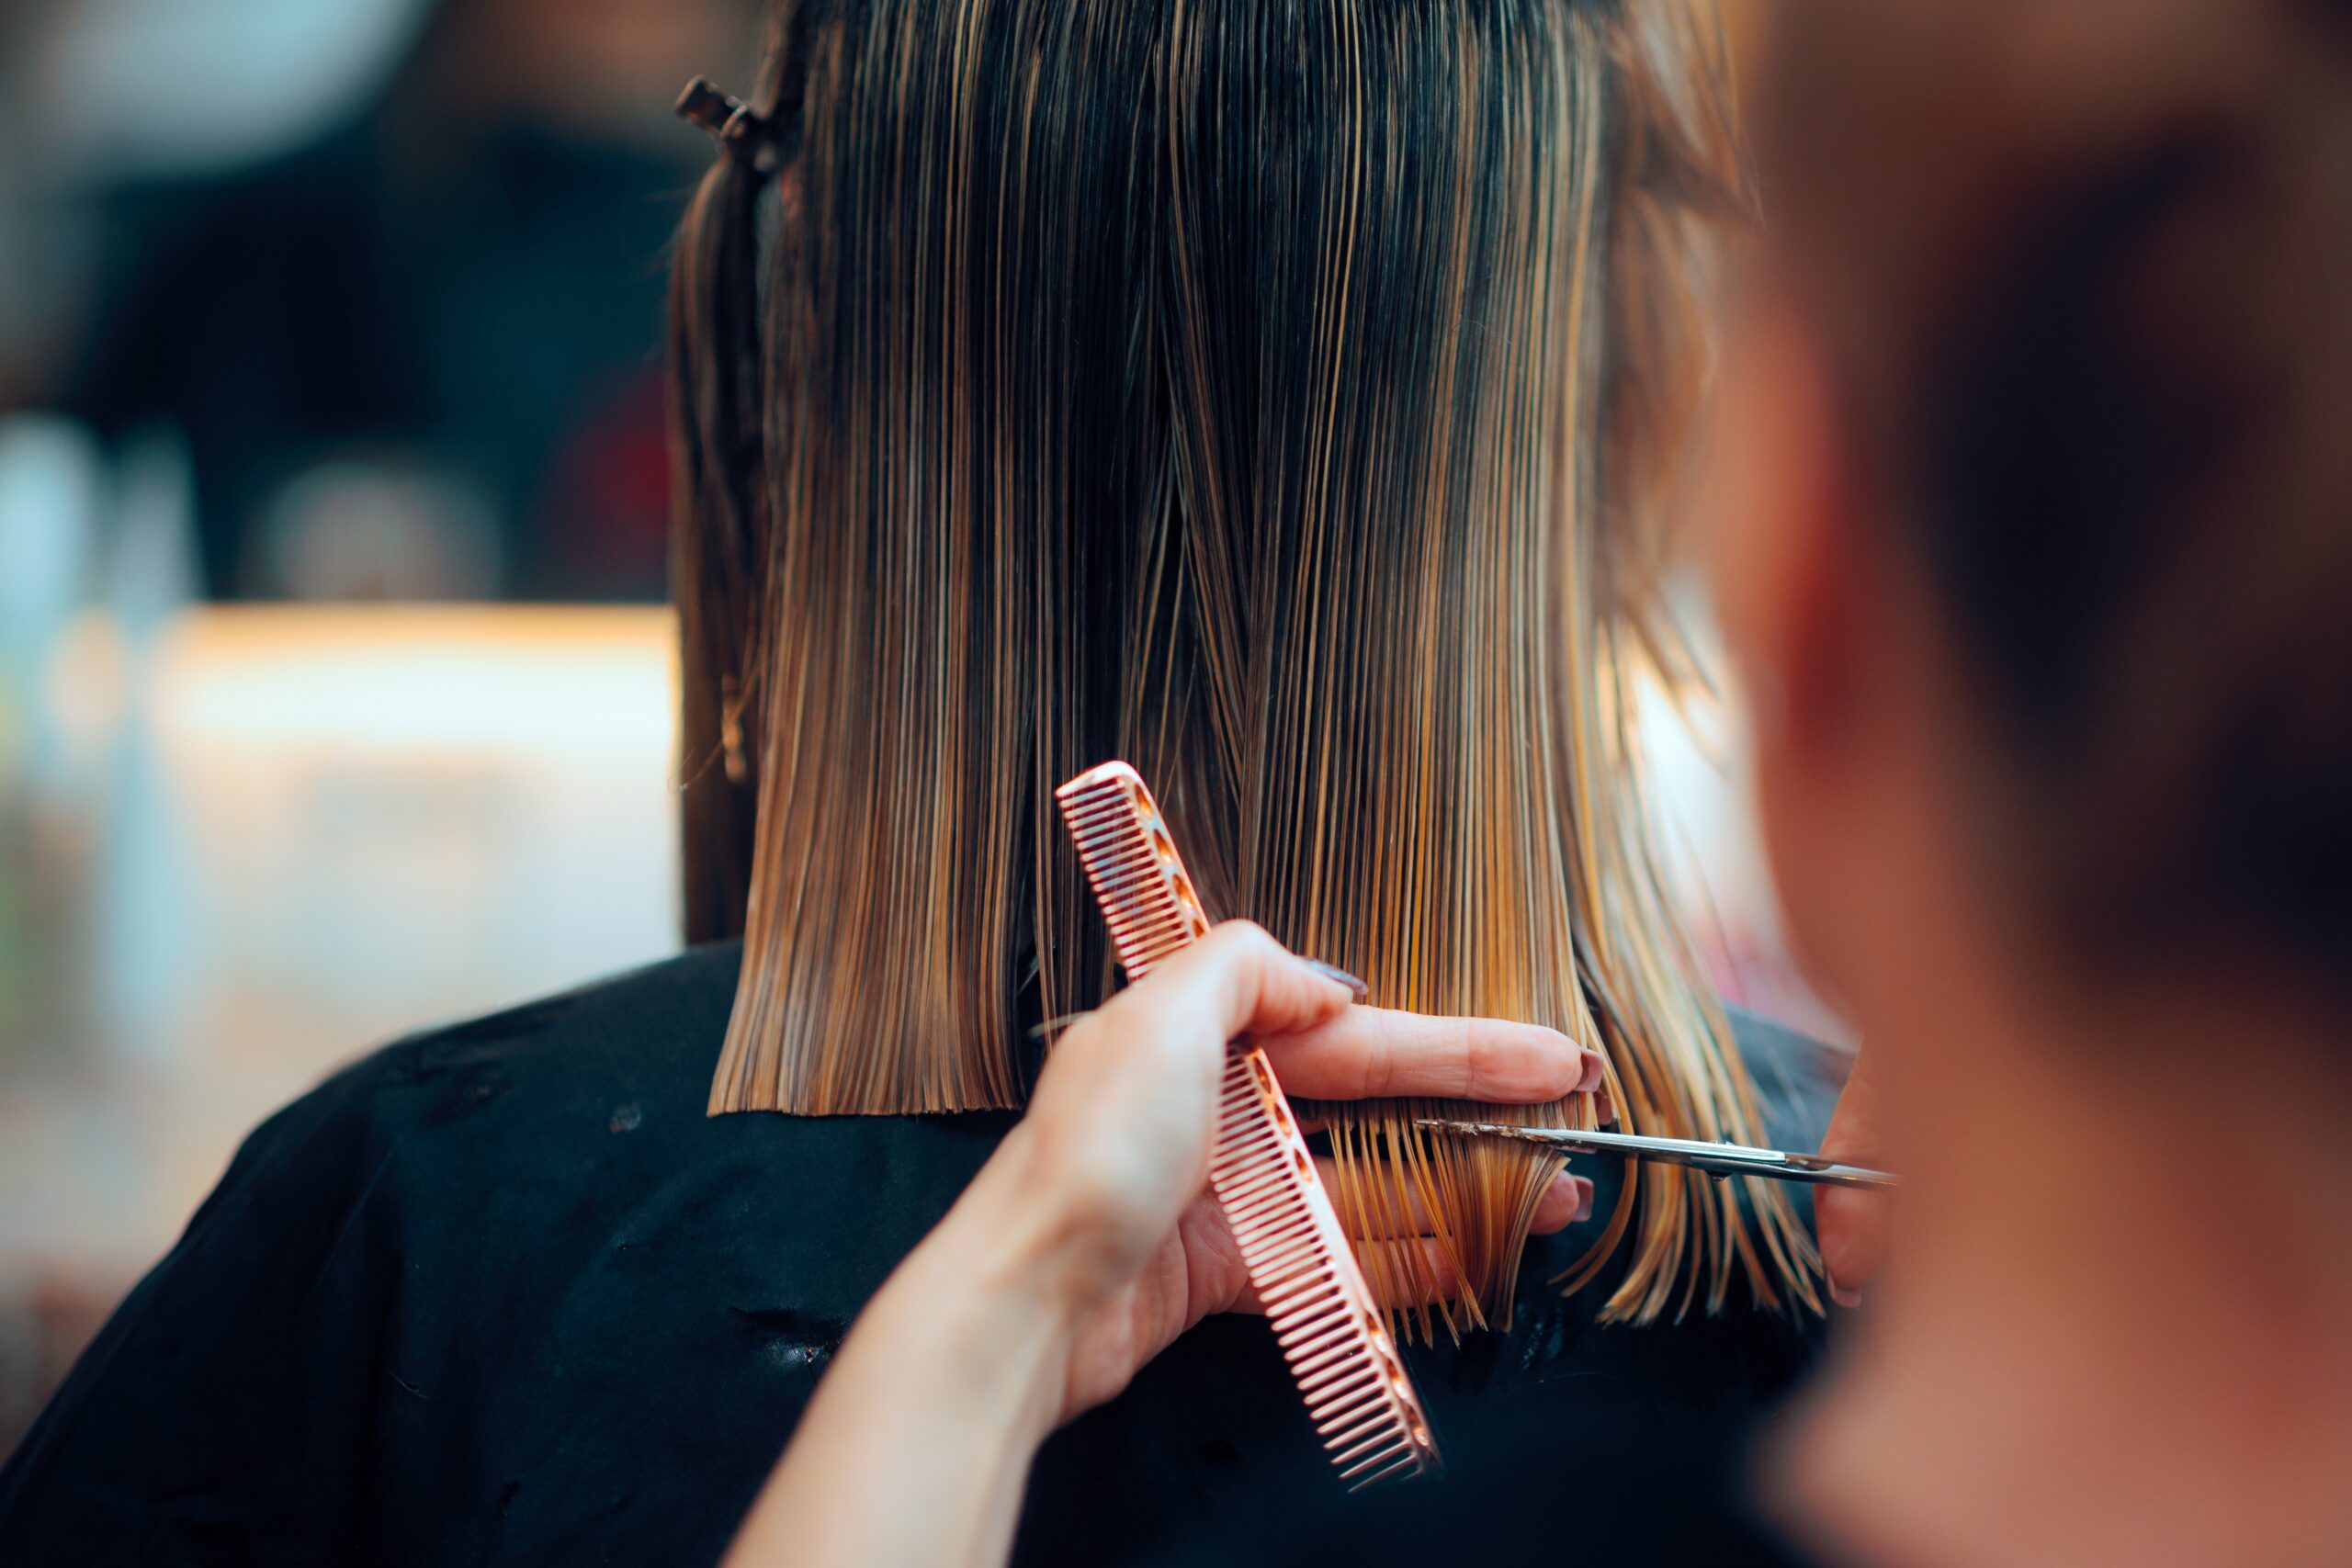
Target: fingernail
x=1579, y=1194
x=1844, y=1297
x=1595, y=1072
x=1333, y=972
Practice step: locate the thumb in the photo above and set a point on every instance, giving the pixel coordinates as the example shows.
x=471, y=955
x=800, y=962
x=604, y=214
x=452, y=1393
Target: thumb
x=1241, y=981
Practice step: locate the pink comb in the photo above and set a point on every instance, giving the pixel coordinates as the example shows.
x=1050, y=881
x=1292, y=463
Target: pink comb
x=1331, y=1333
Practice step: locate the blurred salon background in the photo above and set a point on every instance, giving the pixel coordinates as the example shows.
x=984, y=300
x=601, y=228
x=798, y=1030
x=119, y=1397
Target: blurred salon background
x=336, y=687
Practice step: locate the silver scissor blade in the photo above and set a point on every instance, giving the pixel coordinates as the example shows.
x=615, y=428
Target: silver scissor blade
x=1722, y=1159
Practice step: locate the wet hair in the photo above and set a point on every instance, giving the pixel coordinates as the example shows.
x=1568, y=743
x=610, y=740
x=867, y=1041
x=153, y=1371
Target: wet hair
x=1277, y=396
x=2082, y=273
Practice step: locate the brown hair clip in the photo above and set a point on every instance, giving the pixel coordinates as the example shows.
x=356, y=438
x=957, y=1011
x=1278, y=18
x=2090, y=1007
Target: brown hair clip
x=743, y=131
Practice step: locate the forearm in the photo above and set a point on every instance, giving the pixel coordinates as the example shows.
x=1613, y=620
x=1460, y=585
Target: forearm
x=916, y=1447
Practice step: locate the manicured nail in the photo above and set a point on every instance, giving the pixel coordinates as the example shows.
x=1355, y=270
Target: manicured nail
x=1333, y=972
x=1595, y=1072
x=1844, y=1297
x=1575, y=1192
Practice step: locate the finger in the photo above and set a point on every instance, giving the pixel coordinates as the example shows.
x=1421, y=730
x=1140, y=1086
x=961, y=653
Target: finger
x=1389, y=1212
x=1174, y=1024
x=1376, y=1053
x=1415, y=1272
x=1565, y=1200
x=1239, y=980
x=1854, y=1224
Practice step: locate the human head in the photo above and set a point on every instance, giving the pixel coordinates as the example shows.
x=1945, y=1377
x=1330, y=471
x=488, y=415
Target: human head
x=2044, y=515
x=2036, y=538
x=1274, y=397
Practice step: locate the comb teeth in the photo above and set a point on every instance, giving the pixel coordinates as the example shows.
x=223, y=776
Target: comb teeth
x=1331, y=1334
x=1132, y=865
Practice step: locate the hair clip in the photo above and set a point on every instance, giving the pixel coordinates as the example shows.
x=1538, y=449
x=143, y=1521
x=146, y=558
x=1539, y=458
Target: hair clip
x=742, y=130
x=731, y=731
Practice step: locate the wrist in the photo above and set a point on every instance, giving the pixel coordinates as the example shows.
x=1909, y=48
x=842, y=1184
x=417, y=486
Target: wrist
x=949, y=1380
x=1018, y=1232
x=988, y=1298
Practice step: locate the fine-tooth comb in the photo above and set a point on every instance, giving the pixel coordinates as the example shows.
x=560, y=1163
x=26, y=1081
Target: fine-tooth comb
x=1330, y=1331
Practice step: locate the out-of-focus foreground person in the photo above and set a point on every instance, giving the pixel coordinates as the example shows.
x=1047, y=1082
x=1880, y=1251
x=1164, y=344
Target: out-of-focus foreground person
x=2041, y=555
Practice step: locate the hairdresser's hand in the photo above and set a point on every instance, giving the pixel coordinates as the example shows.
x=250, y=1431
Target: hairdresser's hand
x=1098, y=1197
x=1087, y=1242
x=1853, y=1222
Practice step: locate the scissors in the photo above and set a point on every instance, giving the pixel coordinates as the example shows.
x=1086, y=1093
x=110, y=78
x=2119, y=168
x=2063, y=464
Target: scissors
x=1720, y=1159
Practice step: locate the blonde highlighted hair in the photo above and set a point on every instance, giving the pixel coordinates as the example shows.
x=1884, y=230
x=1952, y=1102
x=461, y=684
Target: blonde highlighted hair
x=1276, y=397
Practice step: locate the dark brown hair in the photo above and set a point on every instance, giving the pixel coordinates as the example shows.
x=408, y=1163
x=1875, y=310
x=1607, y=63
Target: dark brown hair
x=1274, y=397
x=2086, y=273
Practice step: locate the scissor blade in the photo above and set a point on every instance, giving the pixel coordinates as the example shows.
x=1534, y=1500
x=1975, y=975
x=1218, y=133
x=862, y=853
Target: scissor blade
x=1722, y=1159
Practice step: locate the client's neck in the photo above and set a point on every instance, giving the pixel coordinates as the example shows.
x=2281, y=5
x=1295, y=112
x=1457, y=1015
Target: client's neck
x=2118, y=1328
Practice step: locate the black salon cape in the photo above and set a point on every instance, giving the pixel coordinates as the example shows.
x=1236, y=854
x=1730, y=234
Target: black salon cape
x=504, y=1292
x=1692, y=1502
